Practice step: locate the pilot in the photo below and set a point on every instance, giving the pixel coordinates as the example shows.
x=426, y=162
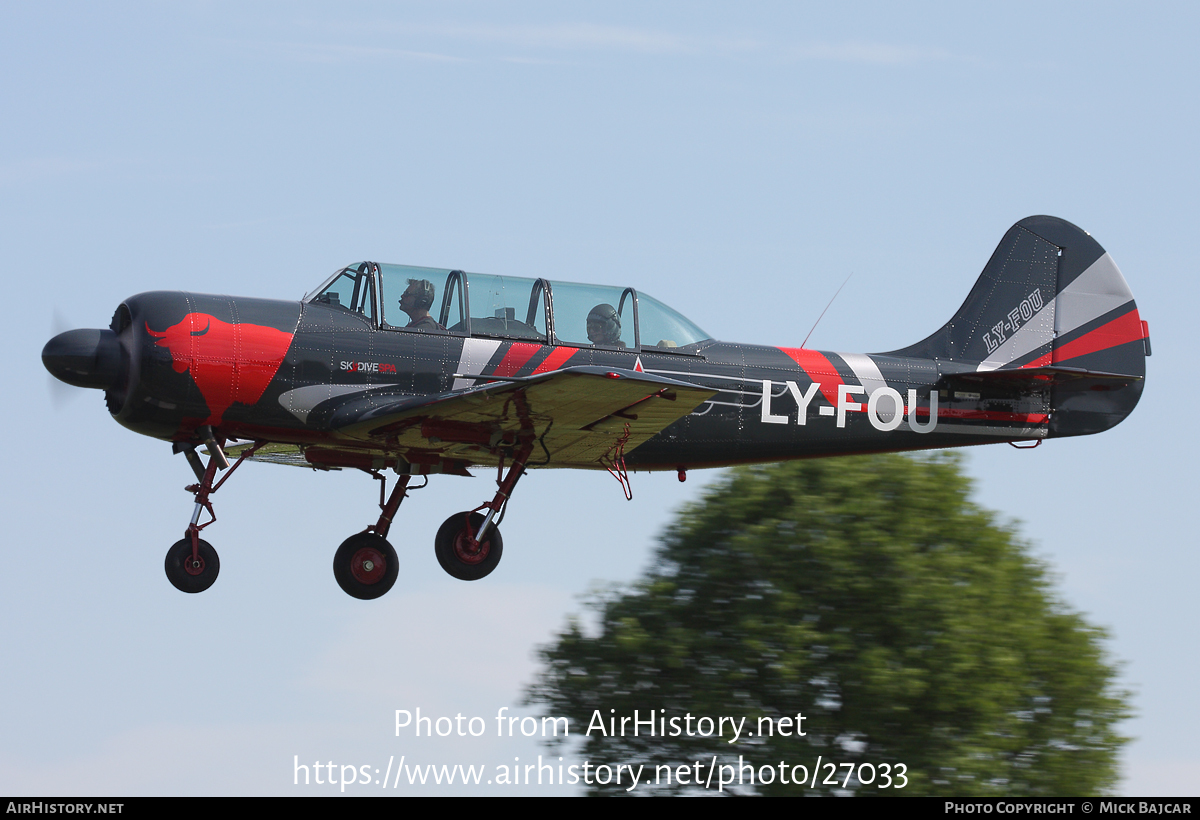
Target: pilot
x=604, y=326
x=416, y=301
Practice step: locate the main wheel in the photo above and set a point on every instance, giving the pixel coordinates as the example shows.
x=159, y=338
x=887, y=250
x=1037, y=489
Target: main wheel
x=365, y=566
x=188, y=574
x=458, y=557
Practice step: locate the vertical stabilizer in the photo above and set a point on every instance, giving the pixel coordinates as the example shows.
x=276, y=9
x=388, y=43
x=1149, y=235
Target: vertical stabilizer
x=1051, y=297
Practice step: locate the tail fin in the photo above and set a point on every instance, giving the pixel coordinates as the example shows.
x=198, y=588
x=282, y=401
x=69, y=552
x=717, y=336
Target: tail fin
x=1051, y=298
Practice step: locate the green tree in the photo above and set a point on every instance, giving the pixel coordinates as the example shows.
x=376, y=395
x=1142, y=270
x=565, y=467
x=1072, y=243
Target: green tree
x=871, y=596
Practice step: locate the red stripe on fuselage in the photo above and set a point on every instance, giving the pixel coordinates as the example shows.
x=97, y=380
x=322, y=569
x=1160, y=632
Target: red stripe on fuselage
x=818, y=368
x=1040, y=361
x=986, y=415
x=1127, y=328
x=557, y=358
x=515, y=358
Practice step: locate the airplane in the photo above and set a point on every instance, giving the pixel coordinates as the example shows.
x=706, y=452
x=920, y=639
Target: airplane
x=517, y=373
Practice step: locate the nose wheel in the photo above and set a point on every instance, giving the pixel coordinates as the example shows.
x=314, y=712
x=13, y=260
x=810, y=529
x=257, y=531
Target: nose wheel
x=458, y=551
x=365, y=566
x=191, y=570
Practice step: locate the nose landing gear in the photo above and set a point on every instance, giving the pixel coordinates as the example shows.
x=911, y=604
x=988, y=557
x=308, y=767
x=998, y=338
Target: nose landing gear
x=192, y=568
x=192, y=563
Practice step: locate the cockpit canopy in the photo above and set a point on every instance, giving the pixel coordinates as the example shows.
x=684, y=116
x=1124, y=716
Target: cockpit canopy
x=508, y=307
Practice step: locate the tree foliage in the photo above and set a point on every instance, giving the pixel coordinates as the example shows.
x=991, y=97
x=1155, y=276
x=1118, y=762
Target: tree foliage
x=871, y=596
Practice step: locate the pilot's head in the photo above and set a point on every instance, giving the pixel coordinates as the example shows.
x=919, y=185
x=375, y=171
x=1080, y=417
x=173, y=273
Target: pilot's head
x=417, y=299
x=603, y=325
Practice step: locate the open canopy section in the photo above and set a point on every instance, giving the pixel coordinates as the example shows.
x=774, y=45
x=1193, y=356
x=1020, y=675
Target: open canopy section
x=437, y=300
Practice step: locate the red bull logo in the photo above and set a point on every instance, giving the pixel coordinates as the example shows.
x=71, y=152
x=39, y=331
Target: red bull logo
x=228, y=362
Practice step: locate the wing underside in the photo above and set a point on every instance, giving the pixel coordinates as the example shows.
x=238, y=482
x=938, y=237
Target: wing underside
x=578, y=417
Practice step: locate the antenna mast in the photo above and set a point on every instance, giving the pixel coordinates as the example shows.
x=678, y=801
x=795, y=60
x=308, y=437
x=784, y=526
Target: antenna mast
x=822, y=316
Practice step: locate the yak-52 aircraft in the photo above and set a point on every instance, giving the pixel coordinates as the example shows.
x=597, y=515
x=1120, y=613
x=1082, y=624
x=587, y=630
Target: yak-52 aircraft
x=425, y=371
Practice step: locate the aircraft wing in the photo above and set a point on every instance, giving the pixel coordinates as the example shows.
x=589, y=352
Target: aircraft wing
x=578, y=415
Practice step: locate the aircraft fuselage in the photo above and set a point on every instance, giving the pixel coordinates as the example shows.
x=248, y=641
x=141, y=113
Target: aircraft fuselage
x=258, y=369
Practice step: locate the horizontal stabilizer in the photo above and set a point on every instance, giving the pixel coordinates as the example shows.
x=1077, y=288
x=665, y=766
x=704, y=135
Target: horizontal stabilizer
x=1043, y=375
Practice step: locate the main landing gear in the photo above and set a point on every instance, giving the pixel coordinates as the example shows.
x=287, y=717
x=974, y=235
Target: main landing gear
x=365, y=565
x=461, y=552
x=468, y=544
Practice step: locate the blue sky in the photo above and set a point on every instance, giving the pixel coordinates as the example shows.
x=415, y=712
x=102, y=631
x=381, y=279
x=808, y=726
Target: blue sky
x=736, y=164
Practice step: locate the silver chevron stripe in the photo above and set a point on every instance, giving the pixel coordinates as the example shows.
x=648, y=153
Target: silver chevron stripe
x=1095, y=292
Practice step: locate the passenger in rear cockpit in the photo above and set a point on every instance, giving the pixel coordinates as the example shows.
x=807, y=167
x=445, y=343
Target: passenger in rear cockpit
x=604, y=326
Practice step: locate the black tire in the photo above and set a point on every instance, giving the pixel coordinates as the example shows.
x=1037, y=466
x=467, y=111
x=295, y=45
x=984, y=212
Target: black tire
x=457, y=558
x=176, y=566
x=356, y=566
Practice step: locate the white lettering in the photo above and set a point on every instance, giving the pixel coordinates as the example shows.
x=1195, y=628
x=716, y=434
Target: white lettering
x=596, y=722
x=767, y=417
x=844, y=404
x=894, y=417
x=883, y=417
x=913, y=424
x=802, y=400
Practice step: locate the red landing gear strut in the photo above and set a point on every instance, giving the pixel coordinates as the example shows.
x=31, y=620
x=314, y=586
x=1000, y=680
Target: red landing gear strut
x=468, y=544
x=365, y=565
x=192, y=564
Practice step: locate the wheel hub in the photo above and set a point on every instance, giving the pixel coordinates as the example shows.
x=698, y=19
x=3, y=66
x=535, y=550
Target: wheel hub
x=194, y=565
x=470, y=551
x=368, y=566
